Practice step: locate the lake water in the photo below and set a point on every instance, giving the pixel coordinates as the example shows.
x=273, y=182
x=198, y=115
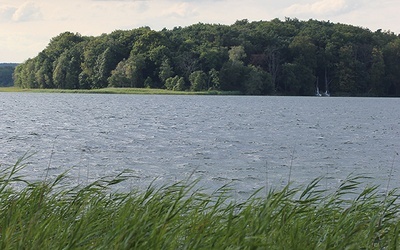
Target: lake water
x=249, y=142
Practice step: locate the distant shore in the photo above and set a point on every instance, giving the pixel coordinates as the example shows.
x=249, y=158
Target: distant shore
x=137, y=91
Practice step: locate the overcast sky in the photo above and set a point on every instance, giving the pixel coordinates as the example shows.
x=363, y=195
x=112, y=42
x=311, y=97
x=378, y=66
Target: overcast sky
x=26, y=27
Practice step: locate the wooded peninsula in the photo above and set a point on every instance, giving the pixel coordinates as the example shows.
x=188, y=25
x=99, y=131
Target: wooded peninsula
x=289, y=57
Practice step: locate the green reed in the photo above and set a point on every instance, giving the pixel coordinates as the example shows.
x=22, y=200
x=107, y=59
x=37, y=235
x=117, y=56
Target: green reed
x=50, y=215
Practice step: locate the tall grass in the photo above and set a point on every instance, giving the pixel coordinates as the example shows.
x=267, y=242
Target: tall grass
x=49, y=215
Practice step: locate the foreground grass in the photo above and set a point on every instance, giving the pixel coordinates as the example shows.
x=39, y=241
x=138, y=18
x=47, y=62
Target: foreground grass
x=46, y=215
x=144, y=91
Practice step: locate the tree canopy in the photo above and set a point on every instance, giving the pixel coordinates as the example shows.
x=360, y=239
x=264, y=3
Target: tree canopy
x=289, y=57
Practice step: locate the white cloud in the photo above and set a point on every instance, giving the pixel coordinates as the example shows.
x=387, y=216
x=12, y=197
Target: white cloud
x=6, y=13
x=120, y=0
x=181, y=10
x=318, y=8
x=28, y=11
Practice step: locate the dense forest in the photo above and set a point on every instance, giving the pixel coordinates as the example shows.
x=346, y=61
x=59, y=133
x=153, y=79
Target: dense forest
x=289, y=57
x=6, y=73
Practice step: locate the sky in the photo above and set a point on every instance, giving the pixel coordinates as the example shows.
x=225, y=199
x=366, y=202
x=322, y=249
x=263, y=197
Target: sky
x=26, y=27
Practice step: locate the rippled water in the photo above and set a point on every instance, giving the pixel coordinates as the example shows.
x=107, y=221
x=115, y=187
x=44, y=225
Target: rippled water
x=250, y=142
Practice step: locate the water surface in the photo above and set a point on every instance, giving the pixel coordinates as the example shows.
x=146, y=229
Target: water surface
x=250, y=142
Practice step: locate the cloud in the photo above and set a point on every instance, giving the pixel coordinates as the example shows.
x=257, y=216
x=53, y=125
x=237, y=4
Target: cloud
x=197, y=1
x=6, y=13
x=120, y=0
x=181, y=10
x=318, y=8
x=28, y=11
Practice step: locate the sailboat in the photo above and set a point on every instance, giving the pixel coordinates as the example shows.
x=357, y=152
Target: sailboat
x=326, y=93
x=317, y=93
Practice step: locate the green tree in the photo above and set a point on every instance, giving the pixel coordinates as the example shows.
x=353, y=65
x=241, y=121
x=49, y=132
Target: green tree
x=180, y=86
x=60, y=71
x=105, y=63
x=61, y=43
x=148, y=83
x=44, y=74
x=171, y=82
x=237, y=54
x=213, y=79
x=233, y=72
x=391, y=53
x=134, y=71
x=346, y=70
x=24, y=75
x=18, y=77
x=198, y=80
x=187, y=62
x=298, y=79
x=257, y=82
x=232, y=76
x=294, y=55
x=166, y=70
x=100, y=57
x=377, y=73
x=128, y=73
x=212, y=57
x=175, y=83
x=304, y=51
x=274, y=60
x=67, y=69
x=119, y=76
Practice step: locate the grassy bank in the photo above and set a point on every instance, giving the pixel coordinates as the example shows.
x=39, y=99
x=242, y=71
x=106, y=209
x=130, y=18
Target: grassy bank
x=138, y=91
x=46, y=215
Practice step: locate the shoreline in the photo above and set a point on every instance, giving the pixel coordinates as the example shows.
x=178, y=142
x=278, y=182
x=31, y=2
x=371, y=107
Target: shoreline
x=135, y=91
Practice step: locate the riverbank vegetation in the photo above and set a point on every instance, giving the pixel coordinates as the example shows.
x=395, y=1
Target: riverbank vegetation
x=111, y=90
x=289, y=57
x=50, y=215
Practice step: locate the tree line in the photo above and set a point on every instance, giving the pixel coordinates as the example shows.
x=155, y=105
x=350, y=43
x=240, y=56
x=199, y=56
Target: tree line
x=289, y=57
x=6, y=74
